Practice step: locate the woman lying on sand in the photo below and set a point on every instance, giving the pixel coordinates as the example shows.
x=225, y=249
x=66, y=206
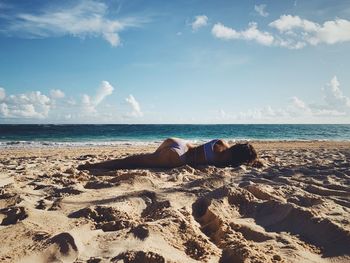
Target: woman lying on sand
x=174, y=152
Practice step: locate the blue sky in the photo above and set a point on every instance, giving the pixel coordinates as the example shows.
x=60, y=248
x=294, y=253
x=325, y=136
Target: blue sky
x=175, y=61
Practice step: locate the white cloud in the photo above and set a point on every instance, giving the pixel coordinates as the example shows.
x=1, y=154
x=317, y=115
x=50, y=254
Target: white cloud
x=35, y=105
x=27, y=105
x=298, y=103
x=222, y=113
x=4, y=110
x=334, y=109
x=298, y=108
x=270, y=112
x=2, y=94
x=329, y=113
x=289, y=43
x=223, y=32
x=335, y=97
x=199, y=21
x=89, y=104
x=221, y=116
x=251, y=33
x=335, y=103
x=103, y=91
x=87, y=18
x=334, y=32
x=293, y=32
x=288, y=22
x=136, y=109
x=57, y=94
x=307, y=32
x=265, y=113
x=251, y=114
x=260, y=9
x=71, y=102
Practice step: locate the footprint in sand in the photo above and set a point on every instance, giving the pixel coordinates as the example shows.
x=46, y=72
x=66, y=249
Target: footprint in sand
x=98, y=184
x=234, y=247
x=139, y=257
x=155, y=209
x=275, y=216
x=195, y=250
x=278, y=217
x=141, y=232
x=12, y=215
x=8, y=198
x=105, y=218
x=61, y=248
x=41, y=204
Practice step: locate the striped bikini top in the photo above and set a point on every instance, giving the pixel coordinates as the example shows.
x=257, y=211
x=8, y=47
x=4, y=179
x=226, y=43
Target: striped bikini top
x=209, y=150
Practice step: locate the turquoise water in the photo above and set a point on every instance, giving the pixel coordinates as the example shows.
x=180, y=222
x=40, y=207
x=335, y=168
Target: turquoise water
x=109, y=134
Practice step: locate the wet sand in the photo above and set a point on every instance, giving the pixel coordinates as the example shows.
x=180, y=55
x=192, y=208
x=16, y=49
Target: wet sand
x=296, y=208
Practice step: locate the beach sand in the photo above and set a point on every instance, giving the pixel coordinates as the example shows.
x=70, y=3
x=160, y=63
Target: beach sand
x=296, y=208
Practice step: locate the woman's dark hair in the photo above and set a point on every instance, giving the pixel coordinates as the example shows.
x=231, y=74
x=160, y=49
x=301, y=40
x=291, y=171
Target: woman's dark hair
x=242, y=153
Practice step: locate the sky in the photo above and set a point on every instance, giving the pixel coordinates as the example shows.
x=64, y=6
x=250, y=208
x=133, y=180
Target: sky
x=186, y=61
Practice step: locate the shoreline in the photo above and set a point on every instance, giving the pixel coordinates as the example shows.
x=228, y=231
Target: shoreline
x=4, y=145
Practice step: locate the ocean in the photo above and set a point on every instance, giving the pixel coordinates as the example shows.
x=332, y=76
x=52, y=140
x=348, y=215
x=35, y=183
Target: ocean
x=80, y=135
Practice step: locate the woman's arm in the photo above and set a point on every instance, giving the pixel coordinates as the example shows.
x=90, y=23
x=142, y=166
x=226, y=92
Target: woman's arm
x=161, y=159
x=131, y=162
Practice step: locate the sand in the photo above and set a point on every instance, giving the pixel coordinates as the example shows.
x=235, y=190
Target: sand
x=296, y=208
